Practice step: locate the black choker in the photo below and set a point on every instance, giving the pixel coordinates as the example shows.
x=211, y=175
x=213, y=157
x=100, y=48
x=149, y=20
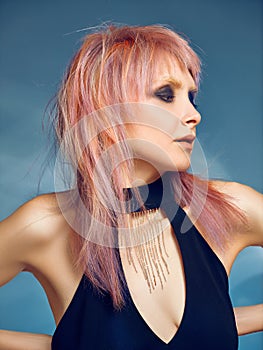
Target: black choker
x=156, y=194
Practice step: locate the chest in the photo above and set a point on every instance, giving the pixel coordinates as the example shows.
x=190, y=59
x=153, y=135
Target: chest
x=160, y=295
x=190, y=309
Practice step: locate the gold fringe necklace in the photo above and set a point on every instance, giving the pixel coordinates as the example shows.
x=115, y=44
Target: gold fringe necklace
x=145, y=241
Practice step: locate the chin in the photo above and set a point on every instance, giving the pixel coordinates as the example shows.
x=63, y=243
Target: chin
x=181, y=165
x=177, y=168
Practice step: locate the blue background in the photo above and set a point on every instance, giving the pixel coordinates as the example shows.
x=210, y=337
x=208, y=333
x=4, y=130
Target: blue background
x=38, y=39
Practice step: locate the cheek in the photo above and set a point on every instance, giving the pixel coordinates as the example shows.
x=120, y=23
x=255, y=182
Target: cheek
x=152, y=144
x=145, y=120
x=151, y=134
x=149, y=151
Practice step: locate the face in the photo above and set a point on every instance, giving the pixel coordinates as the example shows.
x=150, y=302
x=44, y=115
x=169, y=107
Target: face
x=165, y=115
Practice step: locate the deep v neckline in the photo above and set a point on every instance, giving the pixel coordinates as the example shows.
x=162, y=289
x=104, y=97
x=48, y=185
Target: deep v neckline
x=139, y=313
x=157, y=193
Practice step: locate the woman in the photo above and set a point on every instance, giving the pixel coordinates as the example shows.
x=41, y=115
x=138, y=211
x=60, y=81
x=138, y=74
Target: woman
x=136, y=255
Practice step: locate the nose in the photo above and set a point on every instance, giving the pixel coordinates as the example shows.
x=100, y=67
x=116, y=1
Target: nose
x=192, y=117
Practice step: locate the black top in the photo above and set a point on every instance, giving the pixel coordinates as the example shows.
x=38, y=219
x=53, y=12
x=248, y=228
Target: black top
x=90, y=321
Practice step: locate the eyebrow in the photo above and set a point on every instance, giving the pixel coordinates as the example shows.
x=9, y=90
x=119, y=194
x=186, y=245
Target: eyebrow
x=177, y=84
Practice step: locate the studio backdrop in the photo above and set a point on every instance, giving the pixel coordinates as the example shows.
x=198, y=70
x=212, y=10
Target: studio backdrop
x=38, y=39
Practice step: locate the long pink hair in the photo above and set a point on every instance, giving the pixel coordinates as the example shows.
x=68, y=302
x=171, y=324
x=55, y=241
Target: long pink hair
x=113, y=66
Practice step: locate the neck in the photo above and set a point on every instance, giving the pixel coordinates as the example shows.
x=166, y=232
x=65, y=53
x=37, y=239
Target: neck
x=144, y=173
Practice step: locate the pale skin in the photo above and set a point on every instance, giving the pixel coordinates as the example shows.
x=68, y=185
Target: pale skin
x=33, y=240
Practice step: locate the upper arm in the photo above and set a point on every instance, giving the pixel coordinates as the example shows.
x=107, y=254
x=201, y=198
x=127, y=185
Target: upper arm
x=251, y=203
x=23, y=235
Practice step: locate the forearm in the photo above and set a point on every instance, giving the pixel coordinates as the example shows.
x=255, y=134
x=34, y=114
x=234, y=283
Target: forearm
x=11, y=340
x=249, y=319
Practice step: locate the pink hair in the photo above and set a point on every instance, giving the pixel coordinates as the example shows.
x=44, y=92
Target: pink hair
x=116, y=65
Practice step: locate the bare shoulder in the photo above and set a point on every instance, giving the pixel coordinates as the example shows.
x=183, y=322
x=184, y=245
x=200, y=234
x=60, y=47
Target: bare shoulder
x=29, y=230
x=236, y=189
x=36, y=219
x=250, y=202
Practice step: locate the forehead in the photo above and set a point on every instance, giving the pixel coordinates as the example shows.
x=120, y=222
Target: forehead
x=169, y=69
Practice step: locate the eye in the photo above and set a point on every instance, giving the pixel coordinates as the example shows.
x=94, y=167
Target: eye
x=191, y=96
x=165, y=94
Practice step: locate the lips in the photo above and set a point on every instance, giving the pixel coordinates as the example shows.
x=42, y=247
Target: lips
x=187, y=138
x=186, y=141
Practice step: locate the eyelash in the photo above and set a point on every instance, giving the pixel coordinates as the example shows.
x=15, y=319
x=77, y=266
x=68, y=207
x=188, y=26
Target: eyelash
x=166, y=94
